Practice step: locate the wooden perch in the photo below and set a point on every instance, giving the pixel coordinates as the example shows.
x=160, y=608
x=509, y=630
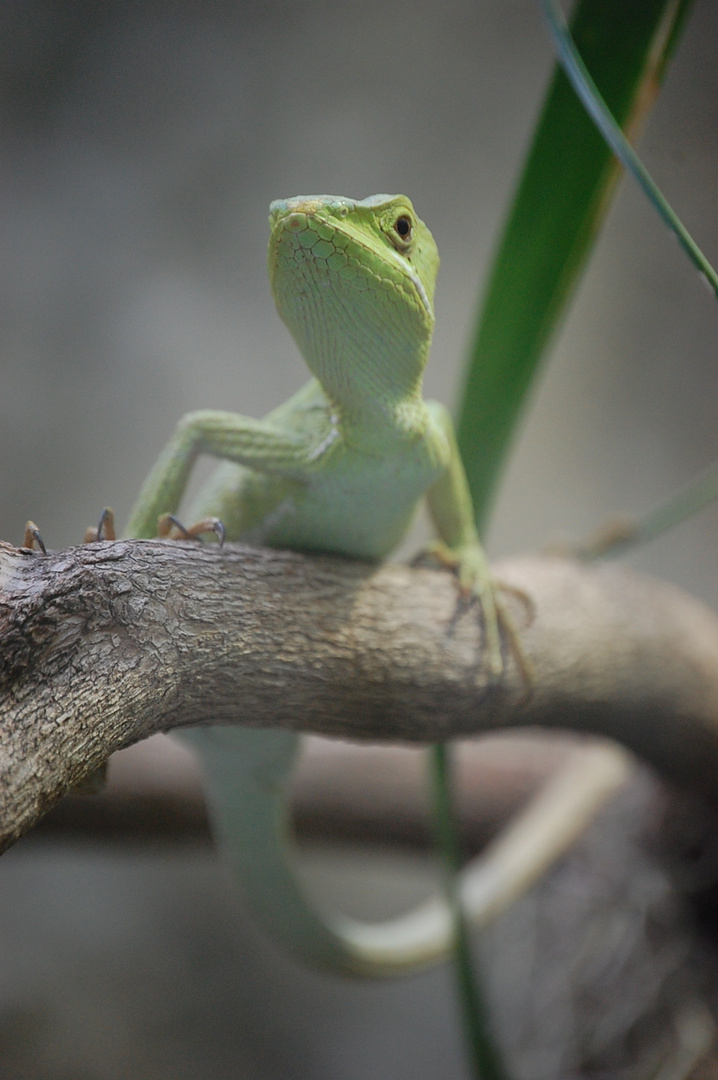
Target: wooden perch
x=104, y=644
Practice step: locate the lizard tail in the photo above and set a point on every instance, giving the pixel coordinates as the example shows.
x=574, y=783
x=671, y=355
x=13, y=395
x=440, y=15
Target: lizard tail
x=246, y=774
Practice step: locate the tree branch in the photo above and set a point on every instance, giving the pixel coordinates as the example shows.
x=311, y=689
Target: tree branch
x=104, y=644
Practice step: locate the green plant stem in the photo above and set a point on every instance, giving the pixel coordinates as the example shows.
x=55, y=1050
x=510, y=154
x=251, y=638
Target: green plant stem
x=597, y=109
x=565, y=189
x=485, y=1058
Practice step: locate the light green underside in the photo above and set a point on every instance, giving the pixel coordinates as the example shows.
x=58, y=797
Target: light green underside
x=352, y=505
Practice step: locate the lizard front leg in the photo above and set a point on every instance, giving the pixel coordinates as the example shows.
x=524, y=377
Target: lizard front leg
x=459, y=546
x=254, y=443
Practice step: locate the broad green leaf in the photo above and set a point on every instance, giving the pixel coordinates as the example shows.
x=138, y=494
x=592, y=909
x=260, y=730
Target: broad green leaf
x=562, y=197
x=563, y=194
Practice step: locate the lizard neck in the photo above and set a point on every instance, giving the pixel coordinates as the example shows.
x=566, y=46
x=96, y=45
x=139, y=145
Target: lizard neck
x=354, y=283
x=377, y=426
x=375, y=389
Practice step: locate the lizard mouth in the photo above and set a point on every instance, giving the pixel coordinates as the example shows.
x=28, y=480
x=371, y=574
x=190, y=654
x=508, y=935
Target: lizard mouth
x=324, y=205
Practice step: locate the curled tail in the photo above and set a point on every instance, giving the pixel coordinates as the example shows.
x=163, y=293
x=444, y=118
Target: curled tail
x=247, y=779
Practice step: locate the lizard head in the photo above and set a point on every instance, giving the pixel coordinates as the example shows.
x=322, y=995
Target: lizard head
x=354, y=282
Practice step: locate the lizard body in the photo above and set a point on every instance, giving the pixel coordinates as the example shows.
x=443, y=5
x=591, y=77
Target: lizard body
x=359, y=436
x=340, y=468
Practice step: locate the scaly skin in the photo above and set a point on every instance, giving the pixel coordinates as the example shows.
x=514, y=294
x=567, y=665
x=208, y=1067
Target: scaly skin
x=340, y=467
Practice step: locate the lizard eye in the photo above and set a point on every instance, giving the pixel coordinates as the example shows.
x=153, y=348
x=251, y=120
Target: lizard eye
x=403, y=228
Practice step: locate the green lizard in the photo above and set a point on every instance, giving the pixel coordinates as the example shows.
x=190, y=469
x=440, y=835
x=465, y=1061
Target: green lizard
x=340, y=468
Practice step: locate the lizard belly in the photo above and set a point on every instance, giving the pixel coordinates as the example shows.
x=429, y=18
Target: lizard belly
x=352, y=503
x=348, y=509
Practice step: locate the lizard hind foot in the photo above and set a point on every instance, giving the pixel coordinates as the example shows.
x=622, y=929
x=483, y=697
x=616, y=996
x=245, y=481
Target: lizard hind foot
x=33, y=537
x=499, y=622
x=510, y=629
x=105, y=529
x=170, y=527
x=471, y=568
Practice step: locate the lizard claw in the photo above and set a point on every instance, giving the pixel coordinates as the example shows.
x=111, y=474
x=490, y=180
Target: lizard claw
x=470, y=565
x=32, y=537
x=105, y=529
x=170, y=527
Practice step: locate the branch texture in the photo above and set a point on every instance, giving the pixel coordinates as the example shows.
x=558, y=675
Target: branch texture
x=104, y=644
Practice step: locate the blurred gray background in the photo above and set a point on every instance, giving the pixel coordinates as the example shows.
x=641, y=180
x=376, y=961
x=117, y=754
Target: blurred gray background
x=140, y=147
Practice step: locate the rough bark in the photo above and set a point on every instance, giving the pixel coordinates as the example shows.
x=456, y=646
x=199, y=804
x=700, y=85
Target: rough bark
x=105, y=644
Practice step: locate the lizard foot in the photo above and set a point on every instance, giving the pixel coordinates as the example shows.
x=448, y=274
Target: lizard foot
x=471, y=567
x=170, y=528
x=32, y=537
x=105, y=529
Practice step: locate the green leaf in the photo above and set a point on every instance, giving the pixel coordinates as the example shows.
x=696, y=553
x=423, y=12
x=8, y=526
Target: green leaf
x=562, y=197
